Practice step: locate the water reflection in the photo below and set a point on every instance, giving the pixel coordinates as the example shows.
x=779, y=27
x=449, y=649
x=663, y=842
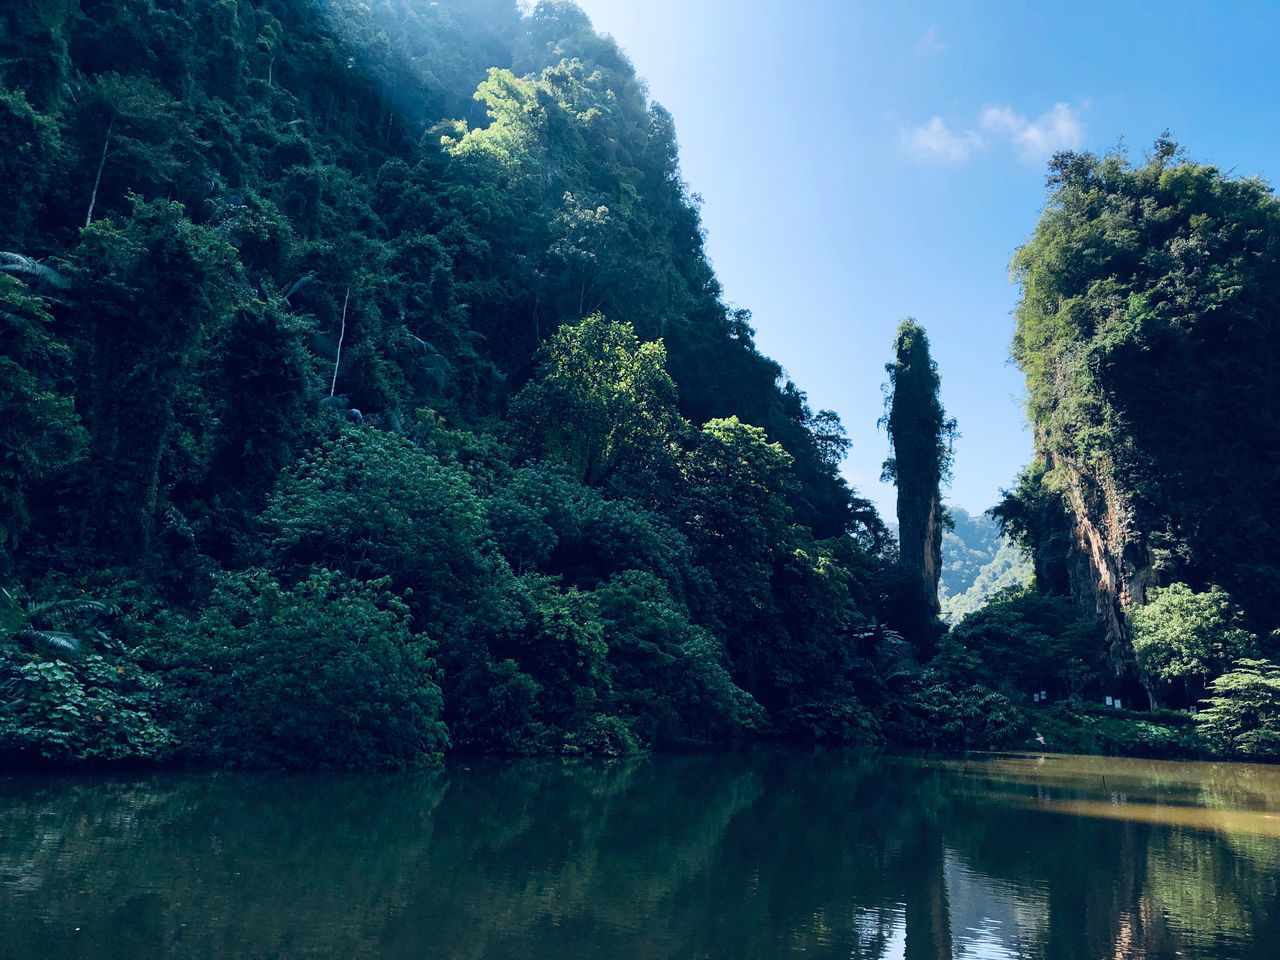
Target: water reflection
x=751, y=855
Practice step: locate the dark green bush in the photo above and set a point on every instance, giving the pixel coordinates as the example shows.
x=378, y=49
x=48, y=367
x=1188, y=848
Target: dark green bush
x=936, y=712
x=326, y=672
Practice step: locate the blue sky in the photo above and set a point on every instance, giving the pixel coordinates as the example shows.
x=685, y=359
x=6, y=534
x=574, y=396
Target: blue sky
x=860, y=163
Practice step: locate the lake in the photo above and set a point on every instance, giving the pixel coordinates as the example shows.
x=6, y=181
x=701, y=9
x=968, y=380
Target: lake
x=759, y=853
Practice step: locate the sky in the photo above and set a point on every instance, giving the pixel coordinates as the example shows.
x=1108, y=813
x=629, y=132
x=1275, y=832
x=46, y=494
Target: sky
x=859, y=163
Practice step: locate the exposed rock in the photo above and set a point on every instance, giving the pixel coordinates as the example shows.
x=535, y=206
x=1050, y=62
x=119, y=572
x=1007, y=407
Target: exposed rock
x=1108, y=565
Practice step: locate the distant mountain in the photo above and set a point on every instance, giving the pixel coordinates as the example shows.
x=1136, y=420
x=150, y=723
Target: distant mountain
x=976, y=562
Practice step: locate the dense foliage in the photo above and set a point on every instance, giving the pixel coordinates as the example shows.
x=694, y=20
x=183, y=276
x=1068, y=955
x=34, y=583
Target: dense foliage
x=1243, y=716
x=1183, y=639
x=1146, y=335
x=367, y=356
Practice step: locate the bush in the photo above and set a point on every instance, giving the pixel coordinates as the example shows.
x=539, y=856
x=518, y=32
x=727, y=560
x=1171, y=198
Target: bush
x=938, y=713
x=89, y=707
x=370, y=504
x=62, y=702
x=667, y=675
x=323, y=673
x=1074, y=728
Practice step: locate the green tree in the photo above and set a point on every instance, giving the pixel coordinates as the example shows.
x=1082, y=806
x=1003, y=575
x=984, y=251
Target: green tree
x=323, y=672
x=155, y=291
x=1184, y=639
x=669, y=677
x=736, y=514
x=978, y=561
x=602, y=400
x=1020, y=641
x=369, y=504
x=40, y=433
x=1243, y=713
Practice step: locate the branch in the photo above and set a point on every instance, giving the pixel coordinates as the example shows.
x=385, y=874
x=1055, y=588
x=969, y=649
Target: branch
x=93, y=198
x=341, y=333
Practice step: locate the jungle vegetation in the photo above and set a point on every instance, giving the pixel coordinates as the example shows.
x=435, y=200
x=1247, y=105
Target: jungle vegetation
x=367, y=394
x=364, y=371
x=1146, y=332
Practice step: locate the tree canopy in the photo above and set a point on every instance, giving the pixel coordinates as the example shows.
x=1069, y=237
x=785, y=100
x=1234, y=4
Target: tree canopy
x=371, y=350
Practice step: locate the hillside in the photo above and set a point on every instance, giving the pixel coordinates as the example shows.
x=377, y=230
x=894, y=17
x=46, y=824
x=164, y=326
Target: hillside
x=977, y=562
x=366, y=358
x=369, y=395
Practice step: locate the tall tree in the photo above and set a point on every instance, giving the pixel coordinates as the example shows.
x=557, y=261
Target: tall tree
x=920, y=442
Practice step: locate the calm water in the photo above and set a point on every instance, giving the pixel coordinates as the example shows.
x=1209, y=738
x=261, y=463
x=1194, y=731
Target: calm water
x=738, y=855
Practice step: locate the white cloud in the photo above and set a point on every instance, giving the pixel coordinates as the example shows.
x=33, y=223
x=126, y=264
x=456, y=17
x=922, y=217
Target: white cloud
x=1002, y=120
x=1059, y=129
x=1032, y=141
x=929, y=43
x=935, y=142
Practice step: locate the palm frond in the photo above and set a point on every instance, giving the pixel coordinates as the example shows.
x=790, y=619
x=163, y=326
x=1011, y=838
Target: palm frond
x=298, y=285
x=20, y=265
x=60, y=611
x=63, y=642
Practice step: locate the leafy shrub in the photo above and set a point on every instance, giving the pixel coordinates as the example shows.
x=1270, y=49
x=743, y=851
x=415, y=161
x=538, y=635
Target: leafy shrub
x=617, y=668
x=61, y=702
x=1073, y=727
x=371, y=504
x=90, y=707
x=937, y=713
x=326, y=672
x=843, y=720
x=544, y=519
x=666, y=674
x=493, y=706
x=602, y=736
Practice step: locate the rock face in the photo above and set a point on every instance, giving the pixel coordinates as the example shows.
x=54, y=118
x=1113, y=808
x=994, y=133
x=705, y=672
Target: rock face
x=1108, y=565
x=920, y=543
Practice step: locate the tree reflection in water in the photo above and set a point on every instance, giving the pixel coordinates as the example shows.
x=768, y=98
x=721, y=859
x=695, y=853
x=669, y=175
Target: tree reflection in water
x=746, y=855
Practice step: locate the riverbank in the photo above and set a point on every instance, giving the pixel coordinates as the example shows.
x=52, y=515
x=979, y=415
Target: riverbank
x=1079, y=728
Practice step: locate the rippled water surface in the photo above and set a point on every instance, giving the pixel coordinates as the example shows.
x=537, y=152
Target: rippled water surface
x=765, y=853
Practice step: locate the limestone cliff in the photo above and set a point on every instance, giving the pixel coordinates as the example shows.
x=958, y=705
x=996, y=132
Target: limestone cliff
x=1109, y=567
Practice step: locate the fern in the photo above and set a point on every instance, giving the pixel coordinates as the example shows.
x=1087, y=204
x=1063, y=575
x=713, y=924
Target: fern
x=29, y=623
